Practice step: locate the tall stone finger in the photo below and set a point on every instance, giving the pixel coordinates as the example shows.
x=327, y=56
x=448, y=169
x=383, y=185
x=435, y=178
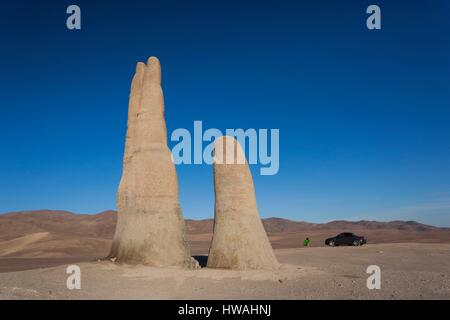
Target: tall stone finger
x=151, y=111
x=150, y=227
x=239, y=239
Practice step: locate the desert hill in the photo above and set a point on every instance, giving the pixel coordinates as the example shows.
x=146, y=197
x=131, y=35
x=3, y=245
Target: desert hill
x=51, y=234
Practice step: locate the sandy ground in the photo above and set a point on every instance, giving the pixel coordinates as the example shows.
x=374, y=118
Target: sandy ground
x=408, y=271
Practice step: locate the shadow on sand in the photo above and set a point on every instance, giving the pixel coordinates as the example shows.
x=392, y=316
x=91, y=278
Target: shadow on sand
x=202, y=260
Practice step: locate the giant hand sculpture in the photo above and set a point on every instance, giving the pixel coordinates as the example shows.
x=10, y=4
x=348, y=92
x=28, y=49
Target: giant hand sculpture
x=150, y=227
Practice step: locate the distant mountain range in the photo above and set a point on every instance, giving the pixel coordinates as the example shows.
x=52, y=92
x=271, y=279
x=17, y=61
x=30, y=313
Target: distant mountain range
x=62, y=234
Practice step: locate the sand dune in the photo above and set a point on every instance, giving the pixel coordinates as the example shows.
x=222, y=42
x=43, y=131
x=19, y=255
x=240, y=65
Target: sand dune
x=20, y=244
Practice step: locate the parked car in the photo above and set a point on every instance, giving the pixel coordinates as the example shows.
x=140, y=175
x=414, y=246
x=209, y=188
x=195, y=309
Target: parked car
x=346, y=239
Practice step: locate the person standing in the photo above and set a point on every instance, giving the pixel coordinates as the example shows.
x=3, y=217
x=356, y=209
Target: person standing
x=306, y=242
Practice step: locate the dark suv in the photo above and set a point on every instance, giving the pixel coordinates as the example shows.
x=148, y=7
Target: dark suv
x=346, y=239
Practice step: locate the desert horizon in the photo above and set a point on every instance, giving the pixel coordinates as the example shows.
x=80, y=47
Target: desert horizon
x=51, y=237
x=113, y=211
x=36, y=247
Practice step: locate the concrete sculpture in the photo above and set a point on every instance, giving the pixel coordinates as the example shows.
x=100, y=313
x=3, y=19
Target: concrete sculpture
x=150, y=228
x=239, y=239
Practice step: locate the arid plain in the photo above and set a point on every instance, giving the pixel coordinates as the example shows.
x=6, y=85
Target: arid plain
x=37, y=246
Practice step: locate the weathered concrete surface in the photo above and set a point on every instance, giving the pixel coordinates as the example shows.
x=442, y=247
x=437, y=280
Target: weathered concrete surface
x=239, y=239
x=150, y=228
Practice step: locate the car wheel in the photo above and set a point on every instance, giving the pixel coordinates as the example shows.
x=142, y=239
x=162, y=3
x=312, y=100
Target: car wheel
x=331, y=243
x=356, y=243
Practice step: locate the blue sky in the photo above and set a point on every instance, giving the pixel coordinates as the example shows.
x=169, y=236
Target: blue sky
x=363, y=115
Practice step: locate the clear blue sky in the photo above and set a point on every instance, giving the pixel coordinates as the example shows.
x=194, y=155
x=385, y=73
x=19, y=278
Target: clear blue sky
x=364, y=116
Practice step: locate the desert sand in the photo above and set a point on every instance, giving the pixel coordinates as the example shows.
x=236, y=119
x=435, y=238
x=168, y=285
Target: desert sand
x=408, y=271
x=37, y=246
